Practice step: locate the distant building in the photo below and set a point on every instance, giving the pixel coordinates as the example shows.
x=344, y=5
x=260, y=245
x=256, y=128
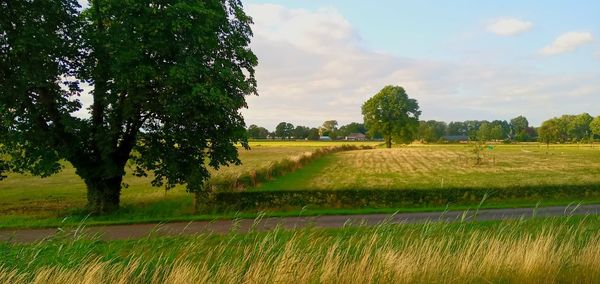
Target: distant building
x=356, y=137
x=325, y=138
x=455, y=138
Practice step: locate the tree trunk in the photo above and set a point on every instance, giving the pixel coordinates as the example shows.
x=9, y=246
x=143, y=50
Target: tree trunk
x=103, y=194
x=388, y=142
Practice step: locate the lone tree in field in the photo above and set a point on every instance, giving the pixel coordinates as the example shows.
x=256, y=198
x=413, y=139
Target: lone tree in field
x=393, y=114
x=549, y=132
x=284, y=130
x=168, y=79
x=518, y=128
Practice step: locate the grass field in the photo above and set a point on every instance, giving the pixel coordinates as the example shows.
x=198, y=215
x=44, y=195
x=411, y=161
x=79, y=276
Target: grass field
x=553, y=250
x=446, y=166
x=27, y=200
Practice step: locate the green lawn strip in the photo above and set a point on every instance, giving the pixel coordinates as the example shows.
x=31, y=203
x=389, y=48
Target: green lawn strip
x=22, y=222
x=296, y=179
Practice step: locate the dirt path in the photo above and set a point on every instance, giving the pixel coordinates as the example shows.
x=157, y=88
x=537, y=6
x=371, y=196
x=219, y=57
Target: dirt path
x=134, y=231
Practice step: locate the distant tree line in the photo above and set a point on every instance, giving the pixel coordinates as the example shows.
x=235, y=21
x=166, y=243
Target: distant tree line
x=517, y=129
x=570, y=128
x=287, y=131
x=563, y=129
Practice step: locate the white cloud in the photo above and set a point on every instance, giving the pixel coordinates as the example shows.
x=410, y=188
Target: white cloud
x=313, y=67
x=567, y=42
x=509, y=26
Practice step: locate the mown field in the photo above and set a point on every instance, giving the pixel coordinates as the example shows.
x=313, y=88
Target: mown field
x=552, y=250
x=26, y=200
x=447, y=166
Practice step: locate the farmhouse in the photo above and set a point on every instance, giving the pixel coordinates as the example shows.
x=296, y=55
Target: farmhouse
x=356, y=137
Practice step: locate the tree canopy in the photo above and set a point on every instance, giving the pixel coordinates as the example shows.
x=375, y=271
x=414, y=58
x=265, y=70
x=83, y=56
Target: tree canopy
x=257, y=132
x=284, y=130
x=518, y=127
x=167, y=80
x=353, y=127
x=329, y=128
x=393, y=114
x=550, y=131
x=595, y=126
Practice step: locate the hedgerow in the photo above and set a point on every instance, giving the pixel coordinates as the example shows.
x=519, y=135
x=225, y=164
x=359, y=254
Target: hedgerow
x=261, y=200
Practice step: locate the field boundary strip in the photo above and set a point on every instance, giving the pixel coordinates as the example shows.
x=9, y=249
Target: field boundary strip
x=391, y=198
x=251, y=179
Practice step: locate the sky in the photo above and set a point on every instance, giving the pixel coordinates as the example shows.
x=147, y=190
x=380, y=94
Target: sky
x=462, y=60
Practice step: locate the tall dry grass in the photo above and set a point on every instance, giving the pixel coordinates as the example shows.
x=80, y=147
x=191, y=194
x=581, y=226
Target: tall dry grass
x=430, y=253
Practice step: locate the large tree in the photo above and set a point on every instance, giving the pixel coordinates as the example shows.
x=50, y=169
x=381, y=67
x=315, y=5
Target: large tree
x=257, y=132
x=284, y=130
x=393, y=114
x=550, y=131
x=579, y=127
x=518, y=126
x=300, y=132
x=167, y=81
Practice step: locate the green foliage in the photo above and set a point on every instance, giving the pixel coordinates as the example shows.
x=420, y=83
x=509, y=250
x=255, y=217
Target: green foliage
x=256, y=132
x=519, y=127
x=284, y=130
x=484, y=132
x=490, y=131
x=168, y=81
x=392, y=113
x=34, y=56
x=595, y=126
x=3, y=169
x=431, y=131
x=301, y=132
x=350, y=128
x=329, y=128
x=357, y=198
x=313, y=134
x=567, y=128
x=579, y=127
x=456, y=128
x=550, y=131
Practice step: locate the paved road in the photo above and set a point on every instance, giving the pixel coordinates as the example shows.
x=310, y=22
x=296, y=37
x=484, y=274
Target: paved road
x=133, y=231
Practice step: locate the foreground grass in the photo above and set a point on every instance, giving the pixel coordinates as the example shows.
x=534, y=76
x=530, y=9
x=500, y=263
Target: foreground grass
x=524, y=251
x=447, y=166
